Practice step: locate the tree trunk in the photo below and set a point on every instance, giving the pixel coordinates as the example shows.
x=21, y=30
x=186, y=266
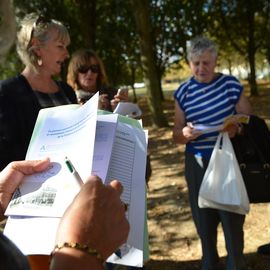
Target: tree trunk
x=229, y=66
x=160, y=87
x=7, y=26
x=252, y=77
x=251, y=54
x=88, y=22
x=142, y=17
x=133, y=69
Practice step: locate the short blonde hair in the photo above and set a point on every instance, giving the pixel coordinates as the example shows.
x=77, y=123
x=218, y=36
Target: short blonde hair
x=37, y=26
x=80, y=58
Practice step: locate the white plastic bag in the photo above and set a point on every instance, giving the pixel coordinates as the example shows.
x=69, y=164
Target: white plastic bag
x=223, y=186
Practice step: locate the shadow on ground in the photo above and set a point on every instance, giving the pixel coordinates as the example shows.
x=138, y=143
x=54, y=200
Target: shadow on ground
x=254, y=261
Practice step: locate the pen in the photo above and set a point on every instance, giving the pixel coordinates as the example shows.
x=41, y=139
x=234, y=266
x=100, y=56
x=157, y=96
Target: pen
x=73, y=171
x=118, y=253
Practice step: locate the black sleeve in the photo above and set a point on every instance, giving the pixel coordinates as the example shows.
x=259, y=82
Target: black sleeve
x=10, y=256
x=7, y=127
x=18, y=113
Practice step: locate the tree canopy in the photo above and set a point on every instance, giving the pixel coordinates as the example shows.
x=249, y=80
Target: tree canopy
x=114, y=29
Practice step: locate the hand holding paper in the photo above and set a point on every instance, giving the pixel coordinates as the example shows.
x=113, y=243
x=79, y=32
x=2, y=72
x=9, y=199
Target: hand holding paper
x=233, y=120
x=128, y=109
x=202, y=128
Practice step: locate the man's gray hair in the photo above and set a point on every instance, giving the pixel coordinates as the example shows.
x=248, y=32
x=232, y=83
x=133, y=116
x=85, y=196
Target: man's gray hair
x=199, y=45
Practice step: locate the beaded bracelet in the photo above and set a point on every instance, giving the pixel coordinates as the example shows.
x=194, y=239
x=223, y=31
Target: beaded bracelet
x=78, y=246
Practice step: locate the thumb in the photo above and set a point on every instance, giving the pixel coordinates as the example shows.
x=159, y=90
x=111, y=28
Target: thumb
x=27, y=167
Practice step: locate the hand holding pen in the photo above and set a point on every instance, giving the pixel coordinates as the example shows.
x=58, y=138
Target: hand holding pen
x=77, y=177
x=96, y=217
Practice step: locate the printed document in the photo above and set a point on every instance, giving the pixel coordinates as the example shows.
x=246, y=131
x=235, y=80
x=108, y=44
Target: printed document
x=110, y=146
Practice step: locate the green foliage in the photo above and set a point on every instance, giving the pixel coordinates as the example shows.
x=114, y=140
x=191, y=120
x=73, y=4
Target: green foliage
x=241, y=25
x=116, y=41
x=174, y=22
x=108, y=26
x=10, y=65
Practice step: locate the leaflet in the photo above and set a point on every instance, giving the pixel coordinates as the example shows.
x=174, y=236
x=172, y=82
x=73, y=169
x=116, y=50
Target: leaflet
x=108, y=145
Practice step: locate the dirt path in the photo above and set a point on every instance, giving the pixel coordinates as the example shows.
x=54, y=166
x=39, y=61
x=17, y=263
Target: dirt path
x=173, y=240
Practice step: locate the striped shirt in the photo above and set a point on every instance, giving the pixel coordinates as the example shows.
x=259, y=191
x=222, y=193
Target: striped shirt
x=208, y=104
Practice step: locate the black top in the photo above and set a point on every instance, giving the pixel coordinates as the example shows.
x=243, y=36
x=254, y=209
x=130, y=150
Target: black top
x=19, y=108
x=10, y=256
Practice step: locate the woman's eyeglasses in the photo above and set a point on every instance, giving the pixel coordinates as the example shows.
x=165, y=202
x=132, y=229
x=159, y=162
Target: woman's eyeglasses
x=85, y=69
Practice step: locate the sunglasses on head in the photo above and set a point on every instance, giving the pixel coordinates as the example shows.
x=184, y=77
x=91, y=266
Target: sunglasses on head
x=85, y=69
x=40, y=20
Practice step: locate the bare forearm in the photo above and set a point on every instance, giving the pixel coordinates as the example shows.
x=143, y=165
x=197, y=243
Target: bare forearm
x=179, y=137
x=73, y=259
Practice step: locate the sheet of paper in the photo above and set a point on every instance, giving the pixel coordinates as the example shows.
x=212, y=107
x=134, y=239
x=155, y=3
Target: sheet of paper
x=128, y=109
x=59, y=132
x=32, y=235
x=200, y=128
x=127, y=164
x=104, y=140
x=62, y=131
x=127, y=141
x=45, y=194
x=232, y=119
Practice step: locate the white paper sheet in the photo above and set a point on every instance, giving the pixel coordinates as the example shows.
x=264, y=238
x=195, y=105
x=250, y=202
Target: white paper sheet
x=105, y=133
x=200, y=128
x=130, y=146
x=32, y=235
x=128, y=109
x=61, y=132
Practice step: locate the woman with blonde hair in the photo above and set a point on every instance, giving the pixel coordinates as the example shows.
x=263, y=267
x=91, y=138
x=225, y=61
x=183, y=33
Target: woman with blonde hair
x=42, y=47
